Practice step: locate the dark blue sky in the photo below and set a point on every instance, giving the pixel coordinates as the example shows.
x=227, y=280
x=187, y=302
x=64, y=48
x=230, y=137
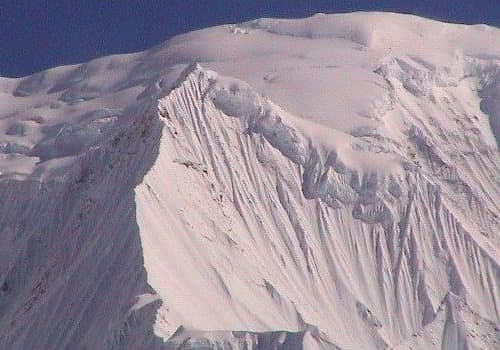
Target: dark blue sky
x=39, y=34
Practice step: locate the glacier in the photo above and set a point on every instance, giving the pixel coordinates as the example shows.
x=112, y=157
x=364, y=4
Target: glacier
x=331, y=182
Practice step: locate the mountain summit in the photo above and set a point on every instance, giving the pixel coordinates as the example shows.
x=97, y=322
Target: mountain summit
x=330, y=182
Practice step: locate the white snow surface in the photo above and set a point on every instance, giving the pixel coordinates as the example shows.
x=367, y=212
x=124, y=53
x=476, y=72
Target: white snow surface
x=330, y=182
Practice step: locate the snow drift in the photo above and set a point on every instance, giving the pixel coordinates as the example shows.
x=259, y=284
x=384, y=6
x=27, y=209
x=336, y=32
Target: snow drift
x=323, y=183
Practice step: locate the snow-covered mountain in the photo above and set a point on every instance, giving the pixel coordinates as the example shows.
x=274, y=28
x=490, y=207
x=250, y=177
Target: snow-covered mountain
x=324, y=183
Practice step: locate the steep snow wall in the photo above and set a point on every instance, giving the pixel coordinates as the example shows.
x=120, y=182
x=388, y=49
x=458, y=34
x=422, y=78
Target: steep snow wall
x=284, y=231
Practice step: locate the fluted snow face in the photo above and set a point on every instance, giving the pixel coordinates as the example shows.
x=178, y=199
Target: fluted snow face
x=284, y=230
x=323, y=183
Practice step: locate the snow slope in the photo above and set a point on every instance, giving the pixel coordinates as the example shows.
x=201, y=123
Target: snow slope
x=323, y=183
